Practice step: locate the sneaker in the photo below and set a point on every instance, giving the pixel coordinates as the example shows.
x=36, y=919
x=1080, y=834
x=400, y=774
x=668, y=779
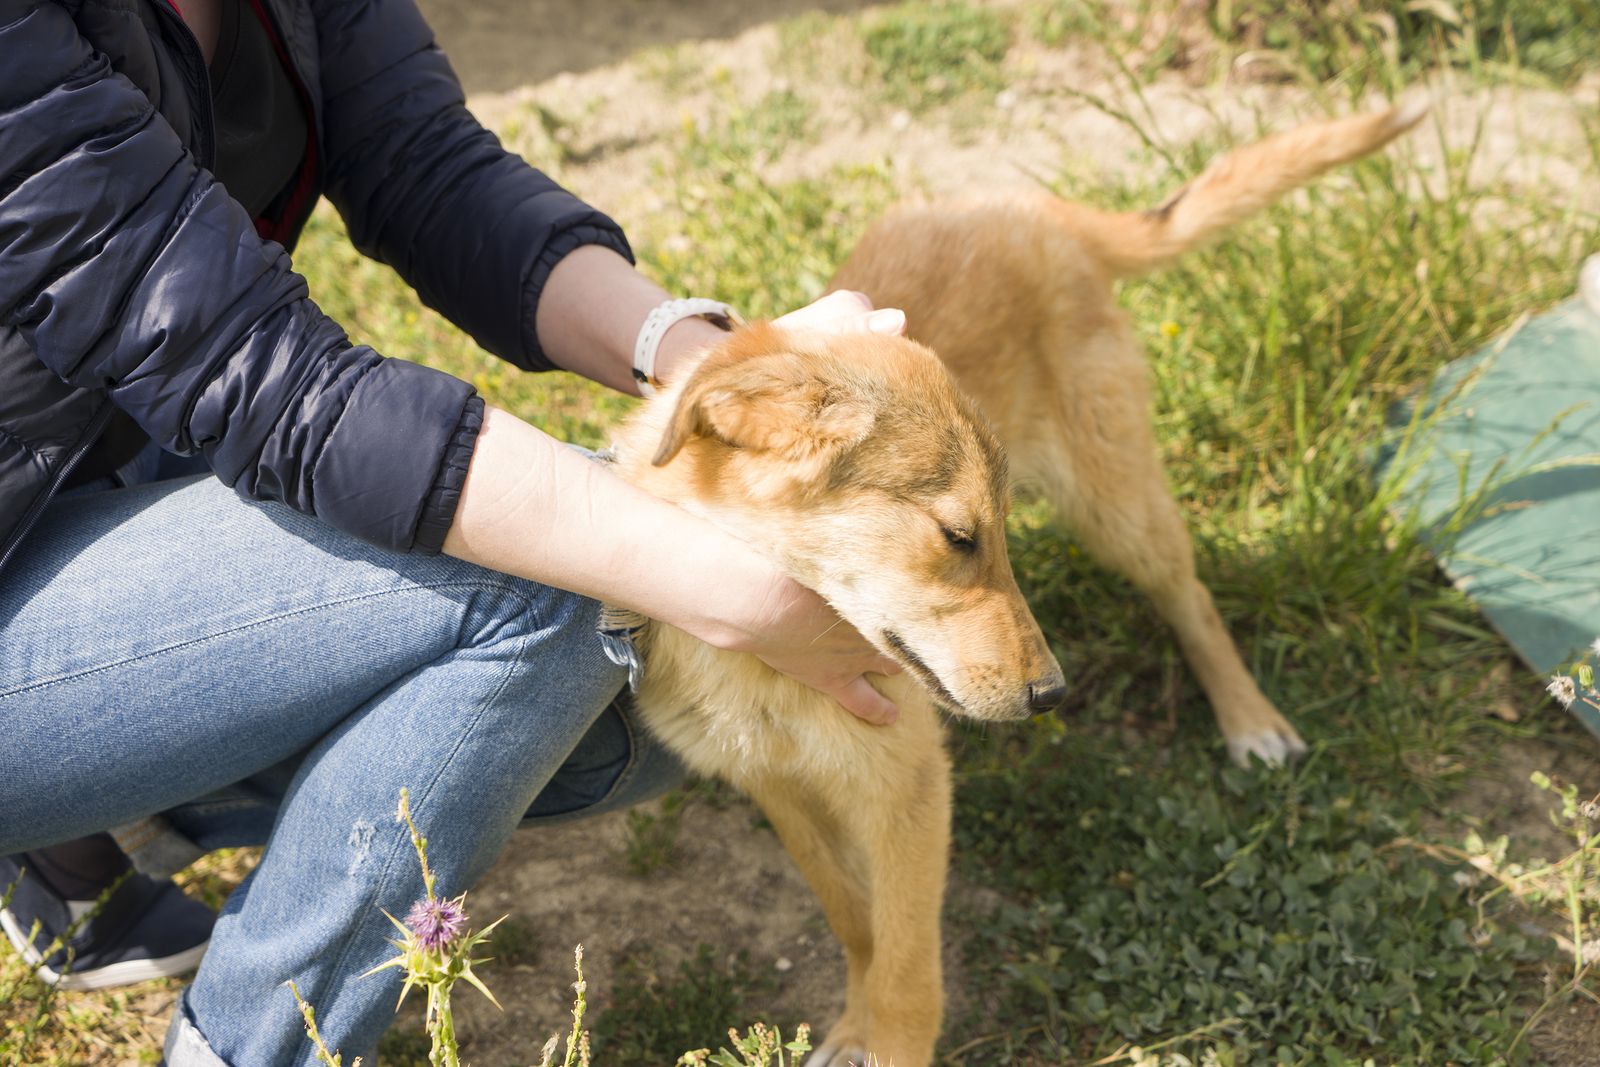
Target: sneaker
x=146, y=929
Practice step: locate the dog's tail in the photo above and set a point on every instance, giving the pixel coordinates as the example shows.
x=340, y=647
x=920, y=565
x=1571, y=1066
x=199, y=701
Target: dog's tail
x=1234, y=187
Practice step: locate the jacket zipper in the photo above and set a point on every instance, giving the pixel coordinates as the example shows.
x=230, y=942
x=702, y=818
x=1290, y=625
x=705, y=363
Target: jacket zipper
x=91, y=435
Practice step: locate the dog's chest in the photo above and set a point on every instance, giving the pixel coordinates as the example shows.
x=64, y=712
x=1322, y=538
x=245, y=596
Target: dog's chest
x=728, y=714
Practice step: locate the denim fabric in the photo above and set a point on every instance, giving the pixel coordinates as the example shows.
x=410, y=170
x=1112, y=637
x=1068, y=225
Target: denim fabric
x=254, y=677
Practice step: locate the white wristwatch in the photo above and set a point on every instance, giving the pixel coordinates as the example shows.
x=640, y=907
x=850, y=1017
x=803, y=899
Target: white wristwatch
x=660, y=320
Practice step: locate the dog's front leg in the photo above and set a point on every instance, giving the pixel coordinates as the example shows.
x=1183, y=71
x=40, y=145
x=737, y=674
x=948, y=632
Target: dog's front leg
x=875, y=853
x=824, y=850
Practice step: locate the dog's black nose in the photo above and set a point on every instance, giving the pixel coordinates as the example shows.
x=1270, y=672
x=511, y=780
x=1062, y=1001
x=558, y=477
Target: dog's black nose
x=1046, y=697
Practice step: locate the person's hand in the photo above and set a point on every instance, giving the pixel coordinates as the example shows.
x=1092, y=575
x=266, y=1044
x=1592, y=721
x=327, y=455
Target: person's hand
x=793, y=630
x=845, y=311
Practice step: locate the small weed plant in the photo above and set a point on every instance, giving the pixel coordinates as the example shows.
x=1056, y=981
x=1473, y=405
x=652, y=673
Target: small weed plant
x=21, y=1030
x=652, y=835
x=435, y=950
x=761, y=1046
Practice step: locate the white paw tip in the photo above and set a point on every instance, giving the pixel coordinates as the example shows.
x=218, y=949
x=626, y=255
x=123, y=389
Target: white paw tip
x=1270, y=747
x=837, y=1056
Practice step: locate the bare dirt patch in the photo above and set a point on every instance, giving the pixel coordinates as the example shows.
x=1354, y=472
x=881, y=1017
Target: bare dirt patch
x=731, y=886
x=623, y=111
x=501, y=44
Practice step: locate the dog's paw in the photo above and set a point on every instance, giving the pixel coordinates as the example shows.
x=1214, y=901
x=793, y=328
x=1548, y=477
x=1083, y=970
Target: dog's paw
x=1274, y=747
x=839, y=1054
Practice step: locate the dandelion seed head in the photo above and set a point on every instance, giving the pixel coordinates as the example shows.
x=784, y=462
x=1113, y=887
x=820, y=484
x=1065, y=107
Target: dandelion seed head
x=436, y=923
x=1595, y=646
x=1563, y=689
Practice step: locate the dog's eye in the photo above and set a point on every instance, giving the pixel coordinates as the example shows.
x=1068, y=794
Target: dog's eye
x=959, y=540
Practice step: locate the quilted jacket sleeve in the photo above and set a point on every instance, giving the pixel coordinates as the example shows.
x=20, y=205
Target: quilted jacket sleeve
x=426, y=189
x=127, y=268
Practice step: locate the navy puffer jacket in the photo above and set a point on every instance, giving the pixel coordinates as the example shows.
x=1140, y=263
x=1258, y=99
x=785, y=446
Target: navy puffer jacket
x=130, y=280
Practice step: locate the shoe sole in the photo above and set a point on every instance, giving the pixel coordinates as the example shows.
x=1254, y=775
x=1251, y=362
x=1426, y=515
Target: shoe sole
x=128, y=972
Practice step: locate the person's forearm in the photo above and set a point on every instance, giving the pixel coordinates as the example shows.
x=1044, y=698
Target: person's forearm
x=589, y=316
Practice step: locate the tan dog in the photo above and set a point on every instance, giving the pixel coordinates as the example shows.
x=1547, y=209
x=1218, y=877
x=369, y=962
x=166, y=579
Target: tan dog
x=1015, y=294
x=854, y=462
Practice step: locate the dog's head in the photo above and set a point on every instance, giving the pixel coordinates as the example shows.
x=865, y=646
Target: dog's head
x=854, y=461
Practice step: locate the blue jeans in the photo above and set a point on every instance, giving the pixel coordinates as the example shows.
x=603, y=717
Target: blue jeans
x=256, y=678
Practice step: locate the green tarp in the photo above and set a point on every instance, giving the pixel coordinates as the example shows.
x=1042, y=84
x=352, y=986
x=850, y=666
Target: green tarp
x=1499, y=463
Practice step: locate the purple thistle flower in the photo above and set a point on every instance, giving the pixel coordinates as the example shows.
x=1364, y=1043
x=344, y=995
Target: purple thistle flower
x=436, y=923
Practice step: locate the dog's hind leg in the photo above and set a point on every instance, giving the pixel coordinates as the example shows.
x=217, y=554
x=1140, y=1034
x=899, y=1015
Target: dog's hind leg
x=876, y=854
x=1104, y=476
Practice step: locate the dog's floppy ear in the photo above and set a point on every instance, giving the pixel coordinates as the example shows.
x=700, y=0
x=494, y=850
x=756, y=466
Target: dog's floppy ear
x=756, y=392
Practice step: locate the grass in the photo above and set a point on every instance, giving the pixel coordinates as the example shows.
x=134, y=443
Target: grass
x=657, y=1009
x=1127, y=892
x=1301, y=938
x=731, y=224
x=928, y=53
x=1553, y=41
x=40, y=1024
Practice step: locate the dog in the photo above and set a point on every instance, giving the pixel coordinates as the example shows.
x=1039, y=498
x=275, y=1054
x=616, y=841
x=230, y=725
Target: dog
x=1015, y=294
x=854, y=462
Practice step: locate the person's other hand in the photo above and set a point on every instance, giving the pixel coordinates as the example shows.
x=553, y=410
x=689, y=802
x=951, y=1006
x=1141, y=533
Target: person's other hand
x=845, y=311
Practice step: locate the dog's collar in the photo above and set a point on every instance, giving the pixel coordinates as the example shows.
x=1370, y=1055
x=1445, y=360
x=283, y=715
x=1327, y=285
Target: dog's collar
x=619, y=630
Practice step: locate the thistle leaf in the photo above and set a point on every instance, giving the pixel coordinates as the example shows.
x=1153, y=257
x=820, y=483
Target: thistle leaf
x=468, y=976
